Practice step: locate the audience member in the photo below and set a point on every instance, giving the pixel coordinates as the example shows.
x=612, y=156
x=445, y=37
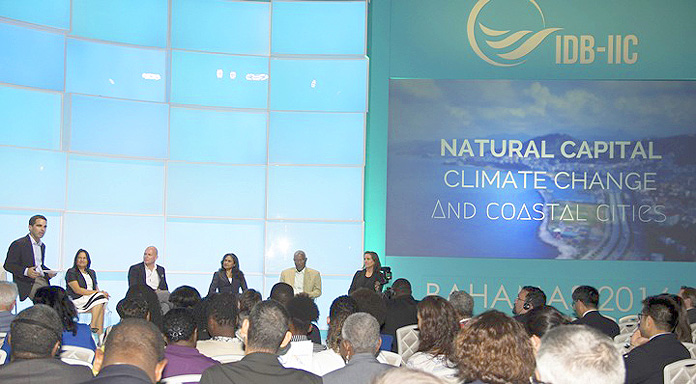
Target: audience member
x=463, y=303
x=541, y=320
x=438, y=324
x=585, y=302
x=683, y=329
x=406, y=376
x=578, y=354
x=401, y=308
x=658, y=319
x=330, y=359
x=303, y=312
x=185, y=296
x=222, y=325
x=133, y=354
x=493, y=348
x=8, y=299
x=146, y=293
x=302, y=279
x=133, y=307
x=265, y=332
x=282, y=293
x=528, y=298
x=359, y=345
x=247, y=300
x=688, y=294
x=371, y=302
x=35, y=340
x=179, y=326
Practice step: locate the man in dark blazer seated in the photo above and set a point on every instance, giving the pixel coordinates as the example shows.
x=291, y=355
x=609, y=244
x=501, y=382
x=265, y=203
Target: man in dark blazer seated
x=150, y=274
x=645, y=363
x=688, y=294
x=25, y=259
x=35, y=339
x=585, y=302
x=265, y=331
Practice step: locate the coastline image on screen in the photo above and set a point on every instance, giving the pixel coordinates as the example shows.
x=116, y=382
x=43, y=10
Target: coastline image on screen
x=590, y=170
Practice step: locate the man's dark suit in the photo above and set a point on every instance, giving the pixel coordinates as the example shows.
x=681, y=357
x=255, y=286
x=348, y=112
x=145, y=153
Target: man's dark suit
x=40, y=371
x=595, y=320
x=20, y=256
x=121, y=374
x=401, y=310
x=645, y=364
x=257, y=368
x=691, y=313
x=136, y=275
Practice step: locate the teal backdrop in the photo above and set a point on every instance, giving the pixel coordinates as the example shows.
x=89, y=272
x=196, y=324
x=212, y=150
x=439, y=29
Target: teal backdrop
x=564, y=40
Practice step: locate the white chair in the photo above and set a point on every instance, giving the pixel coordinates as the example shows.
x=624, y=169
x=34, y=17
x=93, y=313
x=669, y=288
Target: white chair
x=693, y=331
x=391, y=358
x=680, y=372
x=407, y=341
x=692, y=349
x=71, y=361
x=627, y=327
x=629, y=319
x=227, y=358
x=181, y=379
x=622, y=338
x=79, y=353
x=3, y=356
x=2, y=337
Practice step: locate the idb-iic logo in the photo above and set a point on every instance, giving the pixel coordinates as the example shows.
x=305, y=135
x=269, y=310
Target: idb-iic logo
x=505, y=47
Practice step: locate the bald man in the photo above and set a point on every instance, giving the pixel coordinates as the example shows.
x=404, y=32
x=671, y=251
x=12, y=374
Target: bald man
x=150, y=274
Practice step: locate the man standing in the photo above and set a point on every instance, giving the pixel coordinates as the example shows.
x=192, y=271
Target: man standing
x=585, y=302
x=301, y=278
x=645, y=363
x=150, y=274
x=25, y=259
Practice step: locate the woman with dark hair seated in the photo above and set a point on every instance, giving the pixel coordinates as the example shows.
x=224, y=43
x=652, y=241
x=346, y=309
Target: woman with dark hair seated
x=438, y=324
x=74, y=333
x=493, y=348
x=540, y=320
x=82, y=288
x=229, y=278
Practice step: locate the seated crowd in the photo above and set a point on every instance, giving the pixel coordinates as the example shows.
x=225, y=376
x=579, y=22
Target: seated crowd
x=241, y=338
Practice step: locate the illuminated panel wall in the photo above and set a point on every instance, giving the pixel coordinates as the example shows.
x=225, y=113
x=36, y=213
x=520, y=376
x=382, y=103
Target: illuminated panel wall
x=200, y=127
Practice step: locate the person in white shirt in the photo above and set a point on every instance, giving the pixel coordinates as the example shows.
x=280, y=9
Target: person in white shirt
x=150, y=274
x=301, y=278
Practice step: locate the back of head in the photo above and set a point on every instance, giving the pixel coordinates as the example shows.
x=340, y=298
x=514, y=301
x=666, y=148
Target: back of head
x=268, y=324
x=438, y=323
x=587, y=295
x=578, y=354
x=495, y=349
x=463, y=303
x=282, y=293
x=405, y=375
x=303, y=311
x=8, y=294
x=35, y=331
x=222, y=309
x=371, y=302
x=179, y=324
x=535, y=296
x=689, y=293
x=56, y=298
x=401, y=287
x=361, y=330
x=542, y=319
x=248, y=299
x=135, y=342
x=682, y=328
x=185, y=297
x=132, y=307
x=663, y=311
x=148, y=294
x=341, y=308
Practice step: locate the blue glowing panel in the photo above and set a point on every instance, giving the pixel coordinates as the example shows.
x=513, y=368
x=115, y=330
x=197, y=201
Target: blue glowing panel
x=115, y=185
x=30, y=118
x=31, y=57
x=216, y=190
x=333, y=28
x=255, y=281
x=316, y=138
x=315, y=193
x=216, y=136
x=221, y=26
x=207, y=241
x=51, y=13
x=331, y=248
x=319, y=85
x=119, y=127
x=37, y=178
x=116, y=71
x=114, y=242
x=219, y=80
x=14, y=224
x=126, y=21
